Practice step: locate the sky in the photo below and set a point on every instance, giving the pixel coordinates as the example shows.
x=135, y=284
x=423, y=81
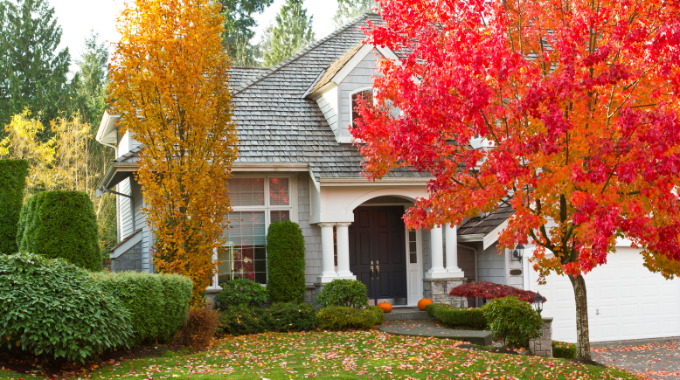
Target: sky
x=78, y=17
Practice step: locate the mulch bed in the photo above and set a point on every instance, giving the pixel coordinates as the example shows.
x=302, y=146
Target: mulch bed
x=22, y=362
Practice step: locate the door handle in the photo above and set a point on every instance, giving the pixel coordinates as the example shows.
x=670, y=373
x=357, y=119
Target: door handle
x=377, y=269
x=371, y=270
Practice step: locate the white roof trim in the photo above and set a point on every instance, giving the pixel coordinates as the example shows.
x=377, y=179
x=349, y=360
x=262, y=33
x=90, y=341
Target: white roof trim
x=492, y=237
x=363, y=181
x=126, y=246
x=352, y=63
x=106, y=133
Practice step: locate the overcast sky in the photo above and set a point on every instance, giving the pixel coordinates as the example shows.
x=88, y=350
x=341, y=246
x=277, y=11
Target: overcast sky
x=78, y=17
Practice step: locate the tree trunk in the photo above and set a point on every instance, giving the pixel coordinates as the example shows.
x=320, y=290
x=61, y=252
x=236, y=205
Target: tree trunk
x=582, y=333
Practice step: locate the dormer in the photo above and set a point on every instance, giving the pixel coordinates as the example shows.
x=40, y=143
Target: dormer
x=337, y=88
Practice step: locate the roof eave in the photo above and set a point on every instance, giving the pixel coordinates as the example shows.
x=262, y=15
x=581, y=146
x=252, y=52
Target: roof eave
x=106, y=134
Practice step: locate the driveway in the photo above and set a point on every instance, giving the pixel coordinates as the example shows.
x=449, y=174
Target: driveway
x=655, y=358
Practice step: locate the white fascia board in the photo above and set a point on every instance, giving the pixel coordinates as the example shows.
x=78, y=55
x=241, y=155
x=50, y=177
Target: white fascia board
x=470, y=237
x=106, y=134
x=492, y=237
x=126, y=246
x=362, y=181
x=269, y=167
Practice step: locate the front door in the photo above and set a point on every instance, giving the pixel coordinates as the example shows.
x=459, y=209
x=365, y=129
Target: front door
x=377, y=252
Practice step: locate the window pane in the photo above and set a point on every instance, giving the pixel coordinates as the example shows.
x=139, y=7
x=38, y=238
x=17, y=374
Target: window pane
x=367, y=95
x=246, y=191
x=244, y=254
x=278, y=192
x=280, y=216
x=412, y=247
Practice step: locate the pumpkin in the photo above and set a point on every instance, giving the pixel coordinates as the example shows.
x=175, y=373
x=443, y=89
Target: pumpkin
x=385, y=306
x=422, y=304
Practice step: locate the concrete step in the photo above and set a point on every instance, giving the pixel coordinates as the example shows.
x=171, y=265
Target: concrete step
x=430, y=328
x=406, y=315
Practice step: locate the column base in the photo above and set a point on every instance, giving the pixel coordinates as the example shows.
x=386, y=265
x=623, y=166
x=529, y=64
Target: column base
x=455, y=273
x=346, y=276
x=437, y=273
x=438, y=289
x=326, y=278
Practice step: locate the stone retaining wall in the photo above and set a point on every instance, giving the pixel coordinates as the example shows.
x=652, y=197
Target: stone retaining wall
x=542, y=346
x=437, y=289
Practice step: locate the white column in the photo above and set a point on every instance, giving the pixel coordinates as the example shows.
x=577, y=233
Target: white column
x=328, y=268
x=437, y=249
x=342, y=231
x=452, y=267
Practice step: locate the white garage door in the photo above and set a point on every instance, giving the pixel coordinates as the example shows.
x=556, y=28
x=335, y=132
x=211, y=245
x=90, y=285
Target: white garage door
x=625, y=301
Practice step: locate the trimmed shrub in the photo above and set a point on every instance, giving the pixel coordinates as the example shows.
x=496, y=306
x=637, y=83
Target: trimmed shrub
x=341, y=318
x=241, y=291
x=286, y=262
x=242, y=320
x=563, y=350
x=51, y=307
x=489, y=291
x=158, y=303
x=12, y=185
x=351, y=293
x=290, y=316
x=513, y=321
x=61, y=224
x=450, y=316
x=199, y=328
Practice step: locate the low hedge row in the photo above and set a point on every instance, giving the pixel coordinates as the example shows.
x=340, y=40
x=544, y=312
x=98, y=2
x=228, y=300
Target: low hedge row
x=290, y=316
x=450, y=316
x=158, y=303
x=563, y=350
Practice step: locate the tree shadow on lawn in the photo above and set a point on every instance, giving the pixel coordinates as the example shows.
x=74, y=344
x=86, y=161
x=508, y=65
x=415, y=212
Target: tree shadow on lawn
x=25, y=363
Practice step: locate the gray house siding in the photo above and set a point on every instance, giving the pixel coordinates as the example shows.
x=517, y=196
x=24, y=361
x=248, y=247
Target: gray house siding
x=311, y=233
x=492, y=266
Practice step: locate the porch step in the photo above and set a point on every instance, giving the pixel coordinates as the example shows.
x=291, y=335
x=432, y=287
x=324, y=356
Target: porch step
x=406, y=315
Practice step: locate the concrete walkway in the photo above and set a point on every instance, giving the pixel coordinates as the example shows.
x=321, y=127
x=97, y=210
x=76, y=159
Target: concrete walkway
x=654, y=358
x=425, y=327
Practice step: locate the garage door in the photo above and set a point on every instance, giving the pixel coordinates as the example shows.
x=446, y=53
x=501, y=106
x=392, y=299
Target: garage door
x=625, y=301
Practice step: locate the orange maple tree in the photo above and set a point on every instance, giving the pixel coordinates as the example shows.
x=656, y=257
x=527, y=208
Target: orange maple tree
x=169, y=86
x=572, y=107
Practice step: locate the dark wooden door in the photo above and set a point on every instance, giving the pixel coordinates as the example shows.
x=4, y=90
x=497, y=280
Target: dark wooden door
x=377, y=237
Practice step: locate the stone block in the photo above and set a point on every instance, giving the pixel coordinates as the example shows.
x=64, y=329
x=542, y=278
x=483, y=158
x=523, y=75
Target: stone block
x=542, y=346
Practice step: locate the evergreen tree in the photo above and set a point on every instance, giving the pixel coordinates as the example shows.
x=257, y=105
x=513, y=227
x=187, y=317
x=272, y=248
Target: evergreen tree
x=348, y=10
x=292, y=32
x=32, y=71
x=90, y=81
x=238, y=29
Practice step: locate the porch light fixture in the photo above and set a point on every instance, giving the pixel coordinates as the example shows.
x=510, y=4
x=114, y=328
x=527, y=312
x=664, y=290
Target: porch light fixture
x=518, y=253
x=538, y=302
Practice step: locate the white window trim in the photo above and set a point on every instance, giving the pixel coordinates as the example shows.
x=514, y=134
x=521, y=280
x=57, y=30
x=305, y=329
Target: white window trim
x=266, y=208
x=351, y=95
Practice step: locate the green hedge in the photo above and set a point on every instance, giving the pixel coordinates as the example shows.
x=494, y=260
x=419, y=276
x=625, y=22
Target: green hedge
x=61, y=224
x=242, y=320
x=352, y=293
x=563, y=350
x=158, y=303
x=12, y=185
x=341, y=318
x=280, y=317
x=241, y=291
x=450, y=316
x=53, y=308
x=286, y=262
x=513, y=321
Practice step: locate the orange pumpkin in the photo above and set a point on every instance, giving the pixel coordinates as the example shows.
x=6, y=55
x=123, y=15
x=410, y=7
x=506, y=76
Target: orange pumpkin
x=385, y=306
x=422, y=304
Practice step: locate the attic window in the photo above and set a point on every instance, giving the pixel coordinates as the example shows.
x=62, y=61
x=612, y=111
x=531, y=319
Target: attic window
x=367, y=95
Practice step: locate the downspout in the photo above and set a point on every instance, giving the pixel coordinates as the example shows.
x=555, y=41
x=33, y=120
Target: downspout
x=473, y=249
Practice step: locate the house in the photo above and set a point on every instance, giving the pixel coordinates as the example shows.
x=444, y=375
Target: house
x=297, y=162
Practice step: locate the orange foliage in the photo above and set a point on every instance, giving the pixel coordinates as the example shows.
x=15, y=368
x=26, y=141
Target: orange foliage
x=169, y=86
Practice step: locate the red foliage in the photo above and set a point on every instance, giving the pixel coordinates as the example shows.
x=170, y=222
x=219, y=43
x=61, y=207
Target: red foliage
x=489, y=291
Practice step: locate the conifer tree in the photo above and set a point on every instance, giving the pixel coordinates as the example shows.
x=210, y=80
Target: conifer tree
x=351, y=9
x=292, y=32
x=32, y=70
x=90, y=81
x=238, y=29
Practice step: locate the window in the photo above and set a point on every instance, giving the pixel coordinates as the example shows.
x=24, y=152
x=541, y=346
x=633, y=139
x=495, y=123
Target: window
x=256, y=203
x=367, y=95
x=412, y=247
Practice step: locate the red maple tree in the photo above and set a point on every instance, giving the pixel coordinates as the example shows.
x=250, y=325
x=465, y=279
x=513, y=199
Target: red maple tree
x=572, y=110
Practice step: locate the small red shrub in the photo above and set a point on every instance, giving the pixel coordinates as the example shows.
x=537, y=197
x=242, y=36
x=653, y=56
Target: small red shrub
x=199, y=328
x=489, y=291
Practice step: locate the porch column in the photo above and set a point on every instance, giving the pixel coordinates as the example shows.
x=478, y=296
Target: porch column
x=452, y=267
x=437, y=249
x=342, y=231
x=328, y=268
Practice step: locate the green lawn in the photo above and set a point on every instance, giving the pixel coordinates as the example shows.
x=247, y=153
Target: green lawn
x=345, y=355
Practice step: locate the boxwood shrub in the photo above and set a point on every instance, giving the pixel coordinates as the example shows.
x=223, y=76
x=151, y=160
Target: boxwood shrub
x=51, y=307
x=61, y=224
x=241, y=291
x=341, y=318
x=513, y=321
x=290, y=316
x=158, y=303
x=286, y=262
x=12, y=185
x=451, y=316
x=563, y=350
x=242, y=320
x=350, y=293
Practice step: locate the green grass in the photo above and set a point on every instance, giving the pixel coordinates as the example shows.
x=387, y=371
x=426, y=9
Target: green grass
x=345, y=355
